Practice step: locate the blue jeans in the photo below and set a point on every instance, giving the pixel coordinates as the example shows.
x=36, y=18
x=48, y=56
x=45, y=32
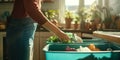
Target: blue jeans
x=19, y=37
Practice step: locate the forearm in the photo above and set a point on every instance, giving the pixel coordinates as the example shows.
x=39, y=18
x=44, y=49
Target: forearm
x=52, y=28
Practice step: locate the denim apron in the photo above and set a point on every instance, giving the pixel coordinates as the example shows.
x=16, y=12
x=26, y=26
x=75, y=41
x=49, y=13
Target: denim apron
x=19, y=37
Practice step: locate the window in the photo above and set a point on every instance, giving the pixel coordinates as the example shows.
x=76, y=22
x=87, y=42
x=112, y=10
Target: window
x=72, y=5
x=76, y=5
x=87, y=3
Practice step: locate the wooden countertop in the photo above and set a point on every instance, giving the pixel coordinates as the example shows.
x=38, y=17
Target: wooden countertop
x=71, y=30
x=110, y=36
x=65, y=30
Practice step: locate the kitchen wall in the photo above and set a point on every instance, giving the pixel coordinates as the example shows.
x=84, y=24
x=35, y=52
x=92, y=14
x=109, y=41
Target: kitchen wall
x=115, y=5
x=45, y=6
x=57, y=4
x=5, y=9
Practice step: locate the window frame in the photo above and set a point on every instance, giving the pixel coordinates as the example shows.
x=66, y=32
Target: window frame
x=81, y=4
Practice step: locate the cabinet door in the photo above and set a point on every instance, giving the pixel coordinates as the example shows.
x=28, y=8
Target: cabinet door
x=36, y=54
x=39, y=43
x=43, y=37
x=2, y=34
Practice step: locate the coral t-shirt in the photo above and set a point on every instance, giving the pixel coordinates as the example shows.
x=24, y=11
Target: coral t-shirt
x=31, y=8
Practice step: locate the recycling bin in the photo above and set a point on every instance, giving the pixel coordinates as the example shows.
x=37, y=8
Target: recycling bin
x=108, y=51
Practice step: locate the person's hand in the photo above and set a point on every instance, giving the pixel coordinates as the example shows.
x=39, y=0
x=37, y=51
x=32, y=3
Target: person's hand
x=63, y=37
x=53, y=28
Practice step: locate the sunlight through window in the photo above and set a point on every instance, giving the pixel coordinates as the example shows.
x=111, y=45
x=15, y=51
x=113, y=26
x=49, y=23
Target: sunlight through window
x=88, y=2
x=72, y=4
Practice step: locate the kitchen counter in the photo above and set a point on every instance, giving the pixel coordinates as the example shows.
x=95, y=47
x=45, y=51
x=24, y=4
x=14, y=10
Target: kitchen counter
x=69, y=30
x=110, y=36
x=81, y=33
x=65, y=30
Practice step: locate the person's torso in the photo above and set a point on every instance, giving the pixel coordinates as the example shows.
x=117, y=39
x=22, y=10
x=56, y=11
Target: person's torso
x=19, y=9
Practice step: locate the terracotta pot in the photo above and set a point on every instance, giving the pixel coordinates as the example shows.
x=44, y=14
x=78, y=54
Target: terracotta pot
x=76, y=25
x=118, y=24
x=68, y=23
x=87, y=26
x=93, y=26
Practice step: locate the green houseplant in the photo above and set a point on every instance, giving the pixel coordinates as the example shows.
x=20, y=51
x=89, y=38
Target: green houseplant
x=76, y=20
x=82, y=15
x=68, y=19
x=91, y=17
x=52, y=15
x=95, y=16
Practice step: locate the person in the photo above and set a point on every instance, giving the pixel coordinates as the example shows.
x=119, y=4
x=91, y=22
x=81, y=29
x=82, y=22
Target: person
x=21, y=27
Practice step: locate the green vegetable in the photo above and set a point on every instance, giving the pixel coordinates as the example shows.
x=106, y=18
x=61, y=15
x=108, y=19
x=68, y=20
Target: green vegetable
x=55, y=39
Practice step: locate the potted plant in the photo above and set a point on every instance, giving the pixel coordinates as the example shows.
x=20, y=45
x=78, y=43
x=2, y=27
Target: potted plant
x=51, y=15
x=68, y=19
x=82, y=15
x=76, y=20
x=92, y=17
x=96, y=17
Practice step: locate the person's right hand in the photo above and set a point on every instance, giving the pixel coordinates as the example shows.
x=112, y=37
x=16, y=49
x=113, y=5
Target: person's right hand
x=63, y=37
x=53, y=28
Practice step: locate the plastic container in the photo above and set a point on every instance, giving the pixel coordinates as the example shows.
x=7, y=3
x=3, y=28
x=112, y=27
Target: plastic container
x=74, y=39
x=55, y=39
x=94, y=40
x=108, y=51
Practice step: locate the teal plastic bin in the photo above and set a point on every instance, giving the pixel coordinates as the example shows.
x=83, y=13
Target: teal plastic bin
x=94, y=40
x=58, y=52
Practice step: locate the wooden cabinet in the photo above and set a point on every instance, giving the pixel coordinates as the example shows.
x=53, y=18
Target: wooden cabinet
x=43, y=37
x=36, y=53
x=39, y=43
x=2, y=34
